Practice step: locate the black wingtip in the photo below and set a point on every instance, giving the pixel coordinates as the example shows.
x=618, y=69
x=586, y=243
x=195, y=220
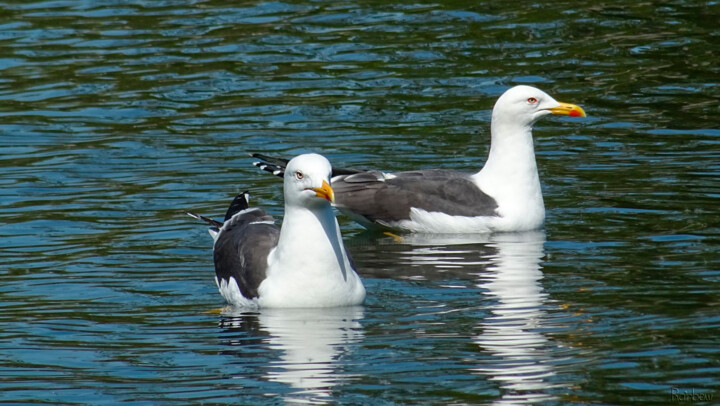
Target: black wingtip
x=271, y=159
x=271, y=168
x=210, y=221
x=274, y=165
x=239, y=203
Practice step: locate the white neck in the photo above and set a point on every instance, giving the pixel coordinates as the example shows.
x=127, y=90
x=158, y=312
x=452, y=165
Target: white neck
x=510, y=174
x=310, y=239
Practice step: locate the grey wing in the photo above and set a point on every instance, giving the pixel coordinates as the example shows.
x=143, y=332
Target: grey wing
x=241, y=252
x=386, y=199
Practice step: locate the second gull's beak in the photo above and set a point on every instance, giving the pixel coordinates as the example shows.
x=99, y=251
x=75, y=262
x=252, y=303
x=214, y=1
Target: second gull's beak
x=568, y=109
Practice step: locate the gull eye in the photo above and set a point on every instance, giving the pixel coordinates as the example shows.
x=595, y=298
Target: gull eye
x=299, y=175
x=532, y=100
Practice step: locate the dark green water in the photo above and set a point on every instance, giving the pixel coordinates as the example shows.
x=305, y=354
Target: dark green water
x=119, y=115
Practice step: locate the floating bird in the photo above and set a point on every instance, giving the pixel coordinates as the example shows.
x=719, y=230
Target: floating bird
x=302, y=264
x=504, y=195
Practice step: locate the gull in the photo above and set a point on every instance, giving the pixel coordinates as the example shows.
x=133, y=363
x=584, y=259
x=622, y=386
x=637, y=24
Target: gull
x=504, y=196
x=302, y=264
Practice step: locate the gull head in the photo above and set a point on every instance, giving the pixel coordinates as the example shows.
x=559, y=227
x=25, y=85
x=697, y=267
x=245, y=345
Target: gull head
x=307, y=181
x=524, y=105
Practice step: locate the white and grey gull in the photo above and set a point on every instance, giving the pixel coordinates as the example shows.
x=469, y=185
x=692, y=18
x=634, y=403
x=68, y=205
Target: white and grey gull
x=302, y=264
x=505, y=195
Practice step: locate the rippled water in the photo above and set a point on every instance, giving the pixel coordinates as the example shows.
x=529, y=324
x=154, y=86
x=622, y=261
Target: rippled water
x=119, y=115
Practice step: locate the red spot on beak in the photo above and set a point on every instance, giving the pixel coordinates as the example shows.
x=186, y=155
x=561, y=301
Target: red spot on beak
x=574, y=113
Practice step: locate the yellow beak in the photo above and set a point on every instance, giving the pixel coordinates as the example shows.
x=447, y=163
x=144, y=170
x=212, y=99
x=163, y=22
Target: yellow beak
x=325, y=191
x=568, y=109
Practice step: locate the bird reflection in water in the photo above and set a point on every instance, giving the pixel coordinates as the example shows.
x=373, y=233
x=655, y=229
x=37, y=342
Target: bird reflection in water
x=521, y=360
x=506, y=268
x=307, y=345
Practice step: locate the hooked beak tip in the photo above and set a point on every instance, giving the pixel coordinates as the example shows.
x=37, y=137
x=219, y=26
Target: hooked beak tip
x=325, y=191
x=568, y=109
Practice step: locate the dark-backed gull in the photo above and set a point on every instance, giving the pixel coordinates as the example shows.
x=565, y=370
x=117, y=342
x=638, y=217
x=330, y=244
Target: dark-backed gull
x=505, y=195
x=302, y=264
